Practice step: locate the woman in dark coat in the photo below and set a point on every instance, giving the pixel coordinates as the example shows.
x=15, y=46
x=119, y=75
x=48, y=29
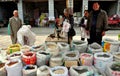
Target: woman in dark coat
x=69, y=18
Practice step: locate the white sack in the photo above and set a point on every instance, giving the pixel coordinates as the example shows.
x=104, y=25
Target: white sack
x=56, y=60
x=101, y=62
x=52, y=48
x=81, y=46
x=94, y=48
x=43, y=58
x=63, y=47
x=15, y=69
x=3, y=71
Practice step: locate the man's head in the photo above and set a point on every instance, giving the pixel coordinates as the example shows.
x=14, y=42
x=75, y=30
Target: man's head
x=15, y=13
x=96, y=6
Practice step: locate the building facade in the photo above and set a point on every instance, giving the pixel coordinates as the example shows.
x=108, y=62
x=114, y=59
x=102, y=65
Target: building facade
x=32, y=11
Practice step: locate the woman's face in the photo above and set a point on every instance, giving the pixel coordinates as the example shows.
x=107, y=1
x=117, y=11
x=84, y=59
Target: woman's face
x=96, y=6
x=86, y=13
x=65, y=13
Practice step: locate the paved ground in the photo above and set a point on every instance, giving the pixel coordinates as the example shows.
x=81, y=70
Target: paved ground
x=43, y=32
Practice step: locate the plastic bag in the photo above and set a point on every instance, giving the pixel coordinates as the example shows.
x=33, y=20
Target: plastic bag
x=66, y=26
x=14, y=68
x=13, y=48
x=30, y=70
x=29, y=58
x=110, y=45
x=8, y=28
x=43, y=71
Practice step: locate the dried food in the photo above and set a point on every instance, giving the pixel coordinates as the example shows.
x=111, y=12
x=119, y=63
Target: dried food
x=104, y=55
x=80, y=71
x=71, y=55
x=51, y=46
x=2, y=64
x=29, y=68
x=36, y=47
x=44, y=70
x=12, y=63
x=118, y=55
x=29, y=54
x=63, y=45
x=44, y=53
x=86, y=55
x=116, y=67
x=15, y=55
x=59, y=71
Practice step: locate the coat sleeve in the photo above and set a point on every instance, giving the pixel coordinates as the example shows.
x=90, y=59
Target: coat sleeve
x=71, y=19
x=11, y=27
x=81, y=22
x=105, y=22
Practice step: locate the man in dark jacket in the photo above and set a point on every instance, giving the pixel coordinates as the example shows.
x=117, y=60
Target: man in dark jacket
x=97, y=23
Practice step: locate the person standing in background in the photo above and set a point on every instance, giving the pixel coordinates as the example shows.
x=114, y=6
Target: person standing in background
x=15, y=24
x=97, y=23
x=69, y=18
x=83, y=24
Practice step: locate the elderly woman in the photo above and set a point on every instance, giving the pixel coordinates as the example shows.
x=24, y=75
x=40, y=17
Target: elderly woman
x=69, y=18
x=25, y=36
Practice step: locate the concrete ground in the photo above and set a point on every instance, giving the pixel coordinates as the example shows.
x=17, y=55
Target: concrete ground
x=43, y=32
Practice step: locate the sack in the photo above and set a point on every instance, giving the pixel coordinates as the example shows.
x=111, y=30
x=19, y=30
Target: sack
x=59, y=71
x=43, y=71
x=2, y=70
x=71, y=32
x=8, y=28
x=102, y=59
x=14, y=67
x=81, y=46
x=29, y=70
x=94, y=48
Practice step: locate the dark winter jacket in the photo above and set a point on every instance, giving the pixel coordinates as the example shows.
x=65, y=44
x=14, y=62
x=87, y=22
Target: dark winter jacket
x=101, y=22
